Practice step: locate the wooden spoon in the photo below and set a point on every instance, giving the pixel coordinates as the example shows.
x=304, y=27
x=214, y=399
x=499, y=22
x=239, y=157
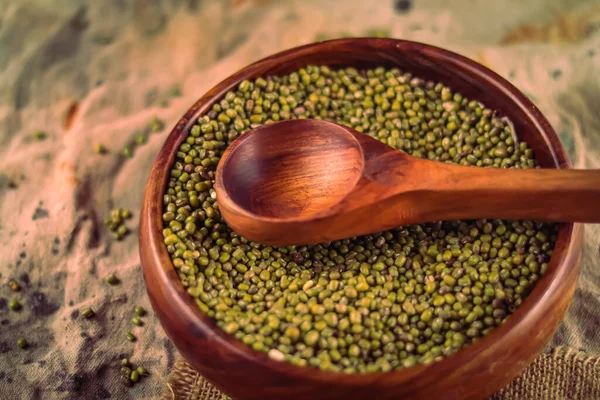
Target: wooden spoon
x=311, y=181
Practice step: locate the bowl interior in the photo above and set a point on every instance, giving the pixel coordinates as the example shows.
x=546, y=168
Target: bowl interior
x=198, y=337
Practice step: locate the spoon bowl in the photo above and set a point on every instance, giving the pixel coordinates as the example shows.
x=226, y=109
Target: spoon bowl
x=277, y=170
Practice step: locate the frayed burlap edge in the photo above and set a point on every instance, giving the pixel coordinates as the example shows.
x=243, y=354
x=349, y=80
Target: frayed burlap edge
x=185, y=383
x=560, y=374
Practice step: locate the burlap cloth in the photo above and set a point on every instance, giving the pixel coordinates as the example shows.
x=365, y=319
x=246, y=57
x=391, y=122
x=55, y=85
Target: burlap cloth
x=89, y=72
x=560, y=374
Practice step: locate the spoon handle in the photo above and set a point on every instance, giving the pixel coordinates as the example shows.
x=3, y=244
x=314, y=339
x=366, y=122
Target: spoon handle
x=456, y=192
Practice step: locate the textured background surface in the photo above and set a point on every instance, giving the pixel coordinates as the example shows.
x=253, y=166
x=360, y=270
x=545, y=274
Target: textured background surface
x=97, y=72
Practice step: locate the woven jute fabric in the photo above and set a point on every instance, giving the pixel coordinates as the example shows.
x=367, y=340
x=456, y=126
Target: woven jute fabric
x=186, y=383
x=560, y=374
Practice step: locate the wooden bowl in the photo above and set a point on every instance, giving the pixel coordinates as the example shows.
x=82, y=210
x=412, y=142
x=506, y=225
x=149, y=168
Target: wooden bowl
x=474, y=372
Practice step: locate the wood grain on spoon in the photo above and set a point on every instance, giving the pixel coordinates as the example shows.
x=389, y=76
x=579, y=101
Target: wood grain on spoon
x=310, y=181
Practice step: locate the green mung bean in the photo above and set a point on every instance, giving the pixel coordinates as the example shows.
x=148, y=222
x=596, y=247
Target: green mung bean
x=14, y=285
x=40, y=135
x=87, y=312
x=142, y=371
x=100, y=148
x=112, y=279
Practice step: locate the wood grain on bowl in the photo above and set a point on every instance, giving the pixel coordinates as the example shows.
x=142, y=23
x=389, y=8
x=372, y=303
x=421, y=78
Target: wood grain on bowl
x=472, y=373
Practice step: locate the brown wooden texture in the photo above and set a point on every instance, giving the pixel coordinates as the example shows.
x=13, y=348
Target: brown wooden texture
x=312, y=181
x=289, y=170
x=472, y=373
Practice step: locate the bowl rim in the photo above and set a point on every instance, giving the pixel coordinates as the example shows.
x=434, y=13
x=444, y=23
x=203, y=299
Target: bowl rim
x=162, y=270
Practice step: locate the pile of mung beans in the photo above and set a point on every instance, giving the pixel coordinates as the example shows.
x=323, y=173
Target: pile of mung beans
x=379, y=302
